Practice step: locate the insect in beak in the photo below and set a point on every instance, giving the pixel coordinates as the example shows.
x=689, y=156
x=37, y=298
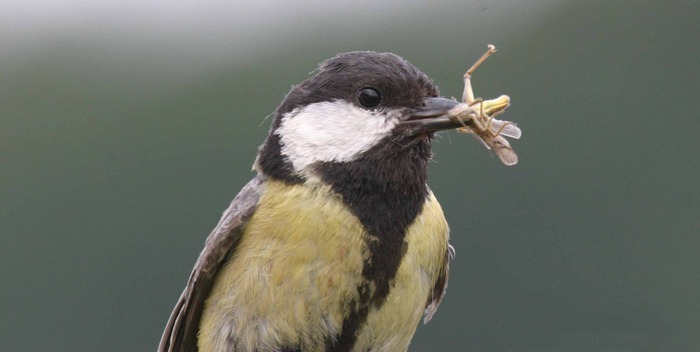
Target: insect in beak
x=481, y=120
x=472, y=115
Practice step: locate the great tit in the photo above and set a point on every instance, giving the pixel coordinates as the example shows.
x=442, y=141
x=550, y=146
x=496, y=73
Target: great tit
x=338, y=243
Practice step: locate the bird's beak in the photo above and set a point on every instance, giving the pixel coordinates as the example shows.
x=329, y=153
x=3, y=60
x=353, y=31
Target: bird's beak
x=431, y=116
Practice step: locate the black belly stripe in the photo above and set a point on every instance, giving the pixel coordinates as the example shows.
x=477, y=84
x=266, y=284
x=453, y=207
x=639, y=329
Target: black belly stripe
x=290, y=349
x=351, y=324
x=386, y=189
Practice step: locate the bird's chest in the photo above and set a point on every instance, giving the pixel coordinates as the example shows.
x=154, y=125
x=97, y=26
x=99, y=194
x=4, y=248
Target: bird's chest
x=294, y=277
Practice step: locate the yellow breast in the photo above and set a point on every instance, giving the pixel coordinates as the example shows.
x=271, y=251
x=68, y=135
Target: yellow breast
x=299, y=263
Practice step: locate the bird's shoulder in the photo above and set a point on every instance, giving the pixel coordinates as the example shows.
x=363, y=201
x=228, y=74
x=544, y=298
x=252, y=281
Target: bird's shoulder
x=181, y=331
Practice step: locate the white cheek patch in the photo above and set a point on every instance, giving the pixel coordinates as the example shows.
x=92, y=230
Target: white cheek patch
x=331, y=131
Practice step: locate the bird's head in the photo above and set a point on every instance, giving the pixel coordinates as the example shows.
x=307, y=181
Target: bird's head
x=356, y=104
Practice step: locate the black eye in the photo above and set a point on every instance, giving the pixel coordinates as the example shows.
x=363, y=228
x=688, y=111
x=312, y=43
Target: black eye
x=368, y=97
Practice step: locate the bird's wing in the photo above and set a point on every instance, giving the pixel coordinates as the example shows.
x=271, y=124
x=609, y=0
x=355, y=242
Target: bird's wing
x=440, y=286
x=181, y=332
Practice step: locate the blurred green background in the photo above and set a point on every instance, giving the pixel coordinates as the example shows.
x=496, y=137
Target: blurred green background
x=126, y=128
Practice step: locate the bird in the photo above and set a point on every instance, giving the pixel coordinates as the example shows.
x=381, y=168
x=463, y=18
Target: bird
x=337, y=243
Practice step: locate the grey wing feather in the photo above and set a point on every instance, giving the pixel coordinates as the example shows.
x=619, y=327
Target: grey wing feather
x=181, y=332
x=440, y=287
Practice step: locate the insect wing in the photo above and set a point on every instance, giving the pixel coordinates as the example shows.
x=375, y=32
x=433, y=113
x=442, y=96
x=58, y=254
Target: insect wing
x=504, y=152
x=507, y=128
x=482, y=140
